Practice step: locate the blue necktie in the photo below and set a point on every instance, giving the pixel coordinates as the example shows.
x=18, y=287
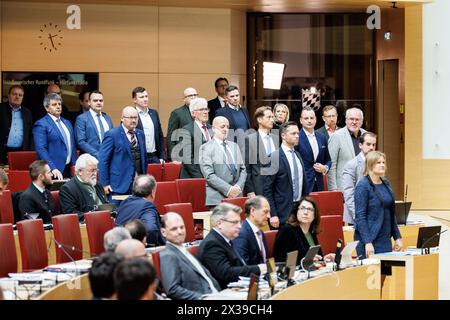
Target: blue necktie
x=63, y=133
x=269, y=145
x=296, y=176
x=102, y=128
x=230, y=161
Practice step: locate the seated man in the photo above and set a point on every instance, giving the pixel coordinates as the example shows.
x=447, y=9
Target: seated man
x=3, y=181
x=82, y=193
x=101, y=276
x=140, y=206
x=137, y=230
x=183, y=276
x=37, y=198
x=112, y=238
x=130, y=248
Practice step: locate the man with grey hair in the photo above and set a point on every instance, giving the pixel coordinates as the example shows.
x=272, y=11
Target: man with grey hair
x=82, y=193
x=216, y=251
x=3, y=181
x=114, y=236
x=140, y=206
x=130, y=248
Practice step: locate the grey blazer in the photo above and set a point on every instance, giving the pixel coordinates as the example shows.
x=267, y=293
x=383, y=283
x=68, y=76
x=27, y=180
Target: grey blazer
x=217, y=172
x=341, y=151
x=181, y=280
x=353, y=172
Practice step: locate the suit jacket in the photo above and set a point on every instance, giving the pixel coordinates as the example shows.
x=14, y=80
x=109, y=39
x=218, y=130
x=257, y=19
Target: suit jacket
x=115, y=160
x=213, y=105
x=50, y=145
x=341, y=151
x=74, y=199
x=159, y=137
x=278, y=186
x=86, y=133
x=181, y=280
x=139, y=208
x=306, y=152
x=5, y=127
x=222, y=260
x=33, y=201
x=247, y=245
x=227, y=112
x=179, y=118
x=217, y=172
x=324, y=131
x=353, y=172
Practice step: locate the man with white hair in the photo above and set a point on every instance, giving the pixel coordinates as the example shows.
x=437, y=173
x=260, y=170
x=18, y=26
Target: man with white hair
x=82, y=193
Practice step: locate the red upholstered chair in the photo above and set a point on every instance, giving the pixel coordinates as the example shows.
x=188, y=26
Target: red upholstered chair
x=193, y=191
x=6, y=208
x=20, y=160
x=156, y=170
x=185, y=211
x=331, y=231
x=171, y=171
x=193, y=249
x=325, y=183
x=97, y=223
x=55, y=196
x=33, y=247
x=19, y=180
x=66, y=230
x=8, y=257
x=240, y=202
x=329, y=202
x=157, y=263
x=166, y=193
x=270, y=239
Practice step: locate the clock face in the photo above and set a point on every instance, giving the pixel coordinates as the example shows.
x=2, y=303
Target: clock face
x=50, y=37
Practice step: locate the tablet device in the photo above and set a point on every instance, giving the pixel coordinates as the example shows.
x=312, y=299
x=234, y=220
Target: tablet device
x=428, y=237
x=346, y=253
x=308, y=260
x=402, y=211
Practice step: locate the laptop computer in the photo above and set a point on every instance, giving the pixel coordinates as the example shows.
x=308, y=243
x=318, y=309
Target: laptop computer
x=402, y=211
x=346, y=254
x=428, y=237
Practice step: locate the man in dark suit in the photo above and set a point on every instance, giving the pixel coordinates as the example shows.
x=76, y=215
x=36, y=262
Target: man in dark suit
x=236, y=114
x=251, y=243
x=82, y=193
x=37, y=198
x=91, y=126
x=140, y=206
x=122, y=155
x=54, y=139
x=183, y=276
x=221, y=84
x=151, y=125
x=329, y=116
x=15, y=124
x=313, y=148
x=217, y=252
x=285, y=181
x=179, y=118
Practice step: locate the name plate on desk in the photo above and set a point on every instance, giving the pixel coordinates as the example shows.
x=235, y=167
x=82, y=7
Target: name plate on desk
x=120, y=197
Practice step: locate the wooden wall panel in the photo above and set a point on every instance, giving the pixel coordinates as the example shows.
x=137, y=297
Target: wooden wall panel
x=238, y=42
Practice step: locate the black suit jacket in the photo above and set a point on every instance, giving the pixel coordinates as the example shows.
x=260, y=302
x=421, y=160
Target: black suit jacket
x=158, y=134
x=222, y=260
x=213, y=105
x=247, y=245
x=33, y=201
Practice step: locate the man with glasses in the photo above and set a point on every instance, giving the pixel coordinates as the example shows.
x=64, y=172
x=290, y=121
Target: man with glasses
x=344, y=146
x=329, y=116
x=216, y=251
x=220, y=85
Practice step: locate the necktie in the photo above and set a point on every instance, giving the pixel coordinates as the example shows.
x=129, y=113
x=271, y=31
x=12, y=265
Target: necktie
x=230, y=162
x=102, y=128
x=268, y=144
x=63, y=133
x=133, y=141
x=205, y=128
x=296, y=177
x=261, y=244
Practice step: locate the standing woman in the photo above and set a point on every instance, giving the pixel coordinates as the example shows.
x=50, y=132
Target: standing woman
x=375, y=221
x=281, y=114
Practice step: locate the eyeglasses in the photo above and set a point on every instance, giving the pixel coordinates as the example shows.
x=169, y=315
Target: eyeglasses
x=203, y=110
x=234, y=222
x=303, y=208
x=192, y=95
x=133, y=118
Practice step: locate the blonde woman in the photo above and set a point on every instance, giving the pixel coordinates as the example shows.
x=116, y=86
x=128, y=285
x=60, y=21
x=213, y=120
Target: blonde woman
x=281, y=114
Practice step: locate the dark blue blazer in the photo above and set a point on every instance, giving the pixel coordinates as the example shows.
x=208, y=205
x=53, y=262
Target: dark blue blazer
x=159, y=137
x=304, y=147
x=115, y=160
x=278, y=186
x=247, y=246
x=49, y=143
x=227, y=112
x=134, y=208
x=86, y=133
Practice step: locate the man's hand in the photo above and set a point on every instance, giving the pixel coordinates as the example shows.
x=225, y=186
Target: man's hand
x=370, y=250
x=234, y=191
x=107, y=189
x=318, y=167
x=57, y=174
x=251, y=194
x=274, y=222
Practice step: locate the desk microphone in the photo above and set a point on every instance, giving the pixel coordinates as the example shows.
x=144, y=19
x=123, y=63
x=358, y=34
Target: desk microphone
x=437, y=234
x=63, y=249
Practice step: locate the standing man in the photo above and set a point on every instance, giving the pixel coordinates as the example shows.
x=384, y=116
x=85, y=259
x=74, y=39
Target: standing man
x=288, y=180
x=54, y=139
x=83, y=97
x=344, y=146
x=150, y=124
x=221, y=84
x=91, y=126
x=329, y=116
x=15, y=124
x=179, y=118
x=122, y=155
x=236, y=114
x=313, y=148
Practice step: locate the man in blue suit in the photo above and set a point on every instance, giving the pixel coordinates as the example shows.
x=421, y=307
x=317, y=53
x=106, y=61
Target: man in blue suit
x=91, y=126
x=122, y=155
x=285, y=180
x=54, y=140
x=313, y=148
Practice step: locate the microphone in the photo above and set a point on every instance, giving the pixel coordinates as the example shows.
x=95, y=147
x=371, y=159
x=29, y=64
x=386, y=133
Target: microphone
x=63, y=249
x=337, y=258
x=437, y=234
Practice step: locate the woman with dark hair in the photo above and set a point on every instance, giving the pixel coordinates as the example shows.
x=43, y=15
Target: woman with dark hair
x=299, y=232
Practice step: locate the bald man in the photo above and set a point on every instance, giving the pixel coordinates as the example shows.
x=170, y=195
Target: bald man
x=122, y=155
x=130, y=248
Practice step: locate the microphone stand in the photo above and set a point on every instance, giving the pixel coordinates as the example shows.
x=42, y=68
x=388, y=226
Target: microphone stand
x=63, y=249
x=427, y=250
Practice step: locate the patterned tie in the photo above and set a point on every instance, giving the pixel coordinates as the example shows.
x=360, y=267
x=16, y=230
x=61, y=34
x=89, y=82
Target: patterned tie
x=295, y=185
x=63, y=133
x=230, y=162
x=269, y=145
x=261, y=244
x=102, y=128
x=133, y=141
x=205, y=128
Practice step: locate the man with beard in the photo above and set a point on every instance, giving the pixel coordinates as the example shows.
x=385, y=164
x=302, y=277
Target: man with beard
x=82, y=193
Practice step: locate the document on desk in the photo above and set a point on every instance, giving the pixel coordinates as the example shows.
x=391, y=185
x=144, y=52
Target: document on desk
x=400, y=253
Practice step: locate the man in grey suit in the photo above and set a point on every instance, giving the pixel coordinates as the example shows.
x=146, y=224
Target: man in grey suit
x=329, y=116
x=344, y=146
x=222, y=165
x=183, y=276
x=353, y=172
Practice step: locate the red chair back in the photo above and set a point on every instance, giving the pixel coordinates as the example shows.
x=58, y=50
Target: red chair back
x=97, y=223
x=55, y=196
x=156, y=170
x=33, y=248
x=193, y=249
x=240, y=202
x=6, y=208
x=20, y=160
x=172, y=171
x=185, y=211
x=166, y=193
x=193, y=191
x=8, y=257
x=157, y=263
x=66, y=230
x=270, y=239
x=19, y=180
x=330, y=203
x=325, y=183
x=331, y=231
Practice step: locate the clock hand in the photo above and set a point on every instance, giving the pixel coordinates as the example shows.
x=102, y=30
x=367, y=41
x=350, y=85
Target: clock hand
x=51, y=39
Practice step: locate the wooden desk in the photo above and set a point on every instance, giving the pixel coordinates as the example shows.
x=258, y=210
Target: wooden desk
x=75, y=289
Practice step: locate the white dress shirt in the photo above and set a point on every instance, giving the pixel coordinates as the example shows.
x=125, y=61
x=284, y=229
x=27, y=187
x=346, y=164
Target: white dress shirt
x=149, y=130
x=288, y=154
x=102, y=119
x=313, y=143
x=266, y=141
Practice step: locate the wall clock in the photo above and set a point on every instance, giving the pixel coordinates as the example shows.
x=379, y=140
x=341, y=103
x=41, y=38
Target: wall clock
x=50, y=37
